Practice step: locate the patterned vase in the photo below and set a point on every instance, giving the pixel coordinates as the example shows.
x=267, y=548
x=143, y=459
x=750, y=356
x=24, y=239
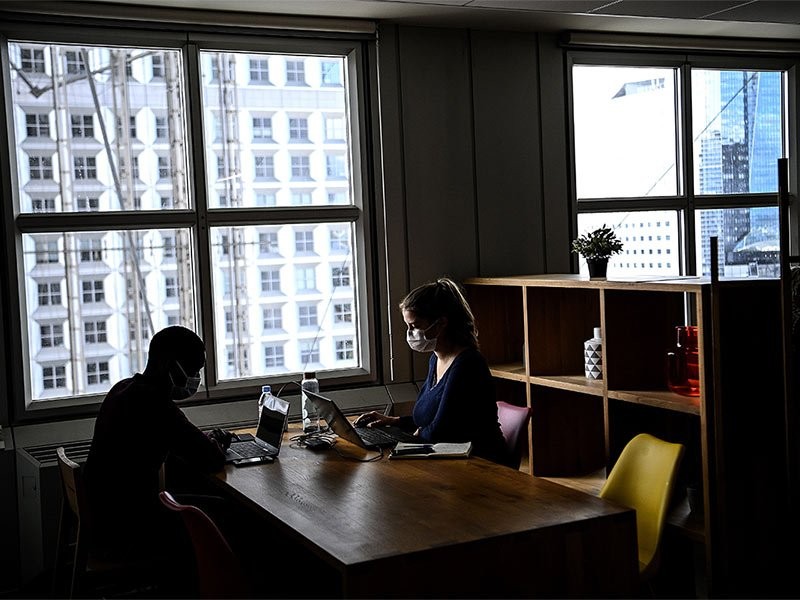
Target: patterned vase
x=592, y=356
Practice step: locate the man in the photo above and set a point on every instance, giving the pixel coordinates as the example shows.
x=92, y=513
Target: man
x=138, y=425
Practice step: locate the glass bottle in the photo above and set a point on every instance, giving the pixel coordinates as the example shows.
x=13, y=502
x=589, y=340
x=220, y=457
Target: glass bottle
x=310, y=416
x=683, y=365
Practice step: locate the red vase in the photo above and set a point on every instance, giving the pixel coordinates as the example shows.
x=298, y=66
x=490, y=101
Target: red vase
x=683, y=368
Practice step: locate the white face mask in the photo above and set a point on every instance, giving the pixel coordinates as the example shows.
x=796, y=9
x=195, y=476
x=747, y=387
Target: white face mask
x=418, y=341
x=187, y=388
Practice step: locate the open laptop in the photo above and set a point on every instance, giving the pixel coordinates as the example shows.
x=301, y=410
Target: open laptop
x=245, y=449
x=369, y=438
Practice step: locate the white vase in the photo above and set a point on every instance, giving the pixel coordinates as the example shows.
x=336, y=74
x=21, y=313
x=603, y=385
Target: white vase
x=593, y=356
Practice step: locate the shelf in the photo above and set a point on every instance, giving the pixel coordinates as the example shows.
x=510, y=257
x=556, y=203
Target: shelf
x=512, y=371
x=658, y=399
x=573, y=383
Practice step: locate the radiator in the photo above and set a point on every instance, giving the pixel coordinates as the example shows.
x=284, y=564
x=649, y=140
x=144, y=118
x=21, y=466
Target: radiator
x=39, y=495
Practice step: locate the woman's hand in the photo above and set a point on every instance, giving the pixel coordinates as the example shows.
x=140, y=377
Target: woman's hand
x=375, y=419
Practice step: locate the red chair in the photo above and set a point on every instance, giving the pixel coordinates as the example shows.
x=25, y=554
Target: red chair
x=219, y=572
x=513, y=421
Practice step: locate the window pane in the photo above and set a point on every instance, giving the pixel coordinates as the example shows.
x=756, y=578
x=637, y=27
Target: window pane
x=748, y=243
x=93, y=301
x=650, y=242
x=108, y=167
x=260, y=143
x=301, y=300
x=625, y=137
x=737, y=130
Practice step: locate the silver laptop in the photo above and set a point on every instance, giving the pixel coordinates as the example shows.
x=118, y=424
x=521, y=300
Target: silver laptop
x=246, y=449
x=369, y=438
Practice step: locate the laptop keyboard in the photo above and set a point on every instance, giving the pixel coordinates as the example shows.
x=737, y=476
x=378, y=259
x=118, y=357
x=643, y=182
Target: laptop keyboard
x=377, y=437
x=248, y=449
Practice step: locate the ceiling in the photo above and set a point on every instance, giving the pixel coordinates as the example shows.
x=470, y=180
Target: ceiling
x=745, y=18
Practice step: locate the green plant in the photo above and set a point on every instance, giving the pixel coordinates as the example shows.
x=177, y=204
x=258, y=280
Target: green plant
x=598, y=244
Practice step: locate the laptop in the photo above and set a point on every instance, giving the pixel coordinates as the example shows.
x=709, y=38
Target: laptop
x=246, y=449
x=369, y=438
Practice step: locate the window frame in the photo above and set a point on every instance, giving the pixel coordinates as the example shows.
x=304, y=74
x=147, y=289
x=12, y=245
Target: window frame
x=686, y=202
x=358, y=52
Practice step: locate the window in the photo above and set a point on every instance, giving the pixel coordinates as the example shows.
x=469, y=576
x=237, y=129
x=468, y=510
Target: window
x=335, y=167
x=339, y=241
x=134, y=274
x=47, y=251
x=94, y=332
x=343, y=312
x=37, y=125
x=259, y=70
x=331, y=72
x=344, y=350
x=340, y=276
x=298, y=129
x=273, y=318
x=82, y=126
x=632, y=152
x=307, y=315
x=309, y=352
x=92, y=291
x=32, y=60
x=295, y=72
x=262, y=129
x=334, y=129
x=271, y=281
x=97, y=372
x=301, y=167
x=51, y=335
x=304, y=242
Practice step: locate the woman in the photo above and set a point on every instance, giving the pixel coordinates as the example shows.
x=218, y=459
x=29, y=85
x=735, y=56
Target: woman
x=456, y=403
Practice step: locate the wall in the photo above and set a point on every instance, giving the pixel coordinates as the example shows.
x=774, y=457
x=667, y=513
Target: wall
x=474, y=168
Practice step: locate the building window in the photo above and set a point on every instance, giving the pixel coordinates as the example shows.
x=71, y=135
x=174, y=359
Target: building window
x=92, y=291
x=344, y=350
x=340, y=277
x=304, y=242
x=94, y=332
x=91, y=249
x=82, y=126
x=54, y=377
x=273, y=318
x=85, y=167
x=331, y=72
x=335, y=167
x=295, y=72
x=298, y=129
x=273, y=356
x=339, y=241
x=51, y=335
x=37, y=125
x=259, y=71
x=97, y=372
x=307, y=315
x=628, y=109
x=271, y=281
x=114, y=265
x=47, y=252
x=32, y=60
x=40, y=167
x=309, y=352
x=262, y=129
x=334, y=129
x=343, y=312
x=301, y=167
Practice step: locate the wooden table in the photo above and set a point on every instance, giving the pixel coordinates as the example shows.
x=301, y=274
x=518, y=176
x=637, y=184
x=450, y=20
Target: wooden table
x=438, y=528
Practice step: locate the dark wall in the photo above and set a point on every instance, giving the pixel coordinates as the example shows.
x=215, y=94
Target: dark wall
x=475, y=159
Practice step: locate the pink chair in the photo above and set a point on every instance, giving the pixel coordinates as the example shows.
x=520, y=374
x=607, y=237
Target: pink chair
x=219, y=572
x=513, y=421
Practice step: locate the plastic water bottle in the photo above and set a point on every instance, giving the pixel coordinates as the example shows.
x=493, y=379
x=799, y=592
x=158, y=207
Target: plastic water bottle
x=310, y=416
x=266, y=392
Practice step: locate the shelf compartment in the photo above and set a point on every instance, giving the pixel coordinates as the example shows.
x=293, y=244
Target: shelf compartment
x=499, y=309
x=658, y=399
x=573, y=383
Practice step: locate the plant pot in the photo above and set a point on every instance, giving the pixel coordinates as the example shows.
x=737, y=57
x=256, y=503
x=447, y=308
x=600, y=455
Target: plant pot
x=597, y=267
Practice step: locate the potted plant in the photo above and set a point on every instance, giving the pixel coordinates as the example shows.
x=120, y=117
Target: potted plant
x=597, y=247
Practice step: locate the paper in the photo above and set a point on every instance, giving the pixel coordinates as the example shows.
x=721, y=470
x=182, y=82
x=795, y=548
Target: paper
x=440, y=450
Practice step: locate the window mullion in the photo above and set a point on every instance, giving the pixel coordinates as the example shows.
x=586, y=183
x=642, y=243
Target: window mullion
x=686, y=246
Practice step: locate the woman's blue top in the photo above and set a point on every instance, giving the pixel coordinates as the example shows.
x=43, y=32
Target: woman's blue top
x=461, y=406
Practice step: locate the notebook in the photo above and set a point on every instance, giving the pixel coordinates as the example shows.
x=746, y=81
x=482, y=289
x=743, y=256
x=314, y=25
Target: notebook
x=370, y=438
x=245, y=449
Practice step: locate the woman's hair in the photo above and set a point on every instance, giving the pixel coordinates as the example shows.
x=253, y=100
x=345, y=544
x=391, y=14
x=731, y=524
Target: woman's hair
x=443, y=298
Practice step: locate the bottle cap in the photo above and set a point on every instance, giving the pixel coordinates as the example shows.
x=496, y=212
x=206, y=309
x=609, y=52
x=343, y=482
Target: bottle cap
x=266, y=389
x=309, y=375
x=598, y=332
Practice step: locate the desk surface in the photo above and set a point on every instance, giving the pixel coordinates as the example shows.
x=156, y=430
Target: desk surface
x=353, y=514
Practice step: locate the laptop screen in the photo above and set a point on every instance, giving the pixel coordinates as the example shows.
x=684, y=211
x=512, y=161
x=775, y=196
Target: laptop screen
x=335, y=418
x=272, y=423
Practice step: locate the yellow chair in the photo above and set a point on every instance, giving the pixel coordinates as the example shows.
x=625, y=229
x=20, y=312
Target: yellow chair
x=642, y=479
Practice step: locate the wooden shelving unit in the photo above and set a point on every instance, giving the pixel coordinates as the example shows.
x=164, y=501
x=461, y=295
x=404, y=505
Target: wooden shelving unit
x=532, y=330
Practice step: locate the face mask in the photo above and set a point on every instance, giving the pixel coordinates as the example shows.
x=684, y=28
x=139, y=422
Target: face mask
x=187, y=388
x=418, y=341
